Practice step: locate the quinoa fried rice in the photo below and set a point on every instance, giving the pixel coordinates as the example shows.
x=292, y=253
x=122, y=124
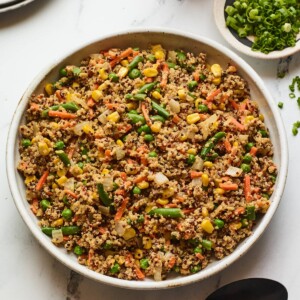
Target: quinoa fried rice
x=146, y=162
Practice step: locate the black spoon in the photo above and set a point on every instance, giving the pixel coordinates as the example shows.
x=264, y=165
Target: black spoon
x=251, y=289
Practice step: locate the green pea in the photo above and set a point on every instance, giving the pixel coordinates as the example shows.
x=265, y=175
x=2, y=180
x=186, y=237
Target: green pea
x=250, y=213
x=219, y=223
x=65, y=201
x=140, y=219
x=151, y=58
x=247, y=158
x=280, y=105
x=192, y=85
x=206, y=244
x=263, y=133
x=26, y=143
x=136, y=190
x=195, y=269
x=63, y=72
x=67, y=214
x=144, y=128
x=181, y=56
x=249, y=146
x=152, y=154
x=144, y=263
x=148, y=137
x=171, y=65
x=273, y=178
x=197, y=250
x=246, y=168
x=202, y=77
x=115, y=268
x=76, y=71
x=45, y=204
x=203, y=108
x=80, y=165
x=134, y=73
x=264, y=195
x=244, y=222
x=191, y=159
x=107, y=246
x=78, y=250
x=113, y=77
x=60, y=145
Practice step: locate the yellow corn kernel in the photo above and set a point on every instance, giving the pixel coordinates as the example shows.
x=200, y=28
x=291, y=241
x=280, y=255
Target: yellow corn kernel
x=248, y=119
x=97, y=95
x=29, y=179
x=54, y=125
x=183, y=137
x=155, y=48
x=207, y=226
x=150, y=72
x=87, y=128
x=61, y=172
x=123, y=72
x=105, y=172
x=235, y=225
x=57, y=223
x=143, y=185
x=205, y=179
x=215, y=125
x=156, y=95
x=121, y=260
x=235, y=144
x=138, y=253
x=181, y=94
x=139, y=84
x=214, y=106
x=204, y=212
x=238, y=92
x=162, y=201
x=193, y=118
x=217, y=181
x=34, y=140
x=125, y=62
x=147, y=242
x=56, y=160
x=192, y=151
x=101, y=153
x=76, y=170
x=219, y=191
x=113, y=117
x=217, y=80
x=129, y=234
x=103, y=74
x=168, y=192
x=102, y=86
x=216, y=70
x=43, y=148
x=159, y=54
x=75, y=85
x=222, y=106
x=261, y=117
x=69, y=97
x=198, y=101
x=120, y=143
x=156, y=127
x=148, y=208
x=208, y=67
x=62, y=180
x=208, y=164
x=231, y=69
x=132, y=105
x=95, y=196
x=54, y=186
x=49, y=89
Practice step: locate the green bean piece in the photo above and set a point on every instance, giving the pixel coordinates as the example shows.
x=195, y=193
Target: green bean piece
x=63, y=72
x=129, y=97
x=148, y=137
x=134, y=73
x=191, y=159
x=246, y=168
x=181, y=57
x=76, y=71
x=247, y=158
x=115, y=268
x=26, y=143
x=160, y=110
x=63, y=157
x=103, y=195
x=136, y=190
x=192, y=95
x=47, y=230
x=139, y=97
x=70, y=230
x=263, y=133
x=115, y=186
x=136, y=118
x=206, y=244
x=45, y=204
x=219, y=223
x=59, y=145
x=152, y=154
x=45, y=112
x=202, y=77
x=70, y=106
x=249, y=146
x=192, y=85
x=211, y=157
x=147, y=87
x=250, y=213
x=273, y=178
x=151, y=58
x=144, y=128
x=195, y=269
x=157, y=118
x=211, y=143
x=197, y=250
x=67, y=214
x=133, y=111
x=78, y=250
x=140, y=219
x=203, y=108
x=244, y=222
x=113, y=77
x=167, y=212
x=144, y=263
x=135, y=62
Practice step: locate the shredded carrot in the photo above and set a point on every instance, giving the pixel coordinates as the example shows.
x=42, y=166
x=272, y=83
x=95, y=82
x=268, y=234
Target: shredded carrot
x=179, y=199
x=59, y=96
x=247, y=188
x=240, y=210
x=234, y=104
x=203, y=117
x=228, y=186
x=107, y=153
x=172, y=262
x=111, y=105
x=196, y=76
x=102, y=230
x=242, y=106
x=227, y=146
x=123, y=55
x=199, y=255
x=140, y=179
x=72, y=194
x=142, y=149
x=140, y=275
x=237, y=124
x=120, y=192
x=148, y=79
x=34, y=106
x=90, y=256
x=35, y=205
x=188, y=210
x=212, y=95
x=195, y=174
x=144, y=160
x=171, y=205
x=121, y=210
x=145, y=114
x=176, y=119
x=165, y=71
x=42, y=180
x=253, y=151
x=61, y=114
x=91, y=102
x=123, y=175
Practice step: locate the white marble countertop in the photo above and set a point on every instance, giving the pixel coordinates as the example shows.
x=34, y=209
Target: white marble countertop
x=39, y=33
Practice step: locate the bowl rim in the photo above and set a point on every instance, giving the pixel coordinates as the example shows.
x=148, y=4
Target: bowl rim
x=143, y=285
x=219, y=18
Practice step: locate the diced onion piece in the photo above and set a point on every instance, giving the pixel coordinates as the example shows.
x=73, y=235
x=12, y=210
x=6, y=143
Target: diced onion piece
x=70, y=184
x=57, y=236
x=233, y=171
x=198, y=164
x=160, y=178
x=103, y=116
x=174, y=106
x=105, y=210
x=243, y=137
x=120, y=227
x=80, y=101
x=108, y=183
x=196, y=182
x=120, y=153
x=205, y=125
x=78, y=128
x=157, y=273
x=172, y=56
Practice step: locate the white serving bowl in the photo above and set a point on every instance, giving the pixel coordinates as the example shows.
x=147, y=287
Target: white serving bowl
x=170, y=39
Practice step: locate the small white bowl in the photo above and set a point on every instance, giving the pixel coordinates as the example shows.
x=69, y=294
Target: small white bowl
x=243, y=44
x=170, y=39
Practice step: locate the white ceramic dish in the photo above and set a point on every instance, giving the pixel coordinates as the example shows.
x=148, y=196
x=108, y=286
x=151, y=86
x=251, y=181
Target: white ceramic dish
x=13, y=4
x=144, y=38
x=243, y=44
